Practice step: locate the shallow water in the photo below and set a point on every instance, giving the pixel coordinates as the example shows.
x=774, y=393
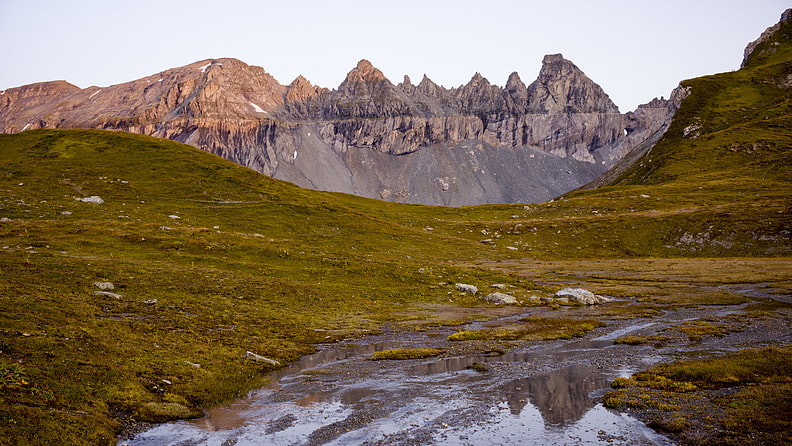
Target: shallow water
x=546, y=393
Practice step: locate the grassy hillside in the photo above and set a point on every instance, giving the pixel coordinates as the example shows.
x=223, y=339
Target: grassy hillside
x=208, y=259
x=717, y=184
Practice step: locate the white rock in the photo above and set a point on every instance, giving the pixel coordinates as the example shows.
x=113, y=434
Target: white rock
x=500, y=298
x=582, y=296
x=93, y=199
x=258, y=358
x=465, y=288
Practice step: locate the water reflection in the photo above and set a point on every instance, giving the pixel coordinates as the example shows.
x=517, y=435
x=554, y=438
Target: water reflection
x=562, y=396
x=526, y=395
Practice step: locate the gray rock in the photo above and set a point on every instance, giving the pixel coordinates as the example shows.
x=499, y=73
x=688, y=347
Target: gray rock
x=465, y=288
x=104, y=286
x=258, y=358
x=500, y=298
x=107, y=294
x=93, y=199
x=582, y=296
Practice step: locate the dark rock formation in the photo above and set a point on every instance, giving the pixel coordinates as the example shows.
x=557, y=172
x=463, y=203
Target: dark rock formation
x=478, y=143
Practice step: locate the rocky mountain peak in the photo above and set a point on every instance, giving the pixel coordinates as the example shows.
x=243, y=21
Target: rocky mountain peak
x=516, y=94
x=562, y=87
x=514, y=82
x=301, y=89
x=364, y=72
x=476, y=80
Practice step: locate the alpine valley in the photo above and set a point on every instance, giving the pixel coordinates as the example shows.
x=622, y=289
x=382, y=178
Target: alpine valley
x=145, y=282
x=475, y=144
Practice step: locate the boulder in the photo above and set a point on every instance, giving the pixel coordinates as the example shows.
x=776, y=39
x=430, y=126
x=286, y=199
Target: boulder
x=500, y=298
x=582, y=296
x=465, y=288
x=104, y=286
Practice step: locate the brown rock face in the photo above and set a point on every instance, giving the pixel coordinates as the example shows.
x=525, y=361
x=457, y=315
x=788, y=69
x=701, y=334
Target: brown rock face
x=369, y=136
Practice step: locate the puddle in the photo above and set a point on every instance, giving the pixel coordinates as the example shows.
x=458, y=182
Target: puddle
x=546, y=393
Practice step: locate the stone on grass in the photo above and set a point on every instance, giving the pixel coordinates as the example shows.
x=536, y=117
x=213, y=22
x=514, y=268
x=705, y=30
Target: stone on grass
x=93, y=199
x=107, y=294
x=582, y=296
x=465, y=288
x=500, y=298
x=104, y=286
x=258, y=358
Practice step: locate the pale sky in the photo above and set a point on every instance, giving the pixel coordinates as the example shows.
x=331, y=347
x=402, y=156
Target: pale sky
x=635, y=49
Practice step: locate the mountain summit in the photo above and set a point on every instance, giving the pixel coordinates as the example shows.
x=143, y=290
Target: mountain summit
x=477, y=143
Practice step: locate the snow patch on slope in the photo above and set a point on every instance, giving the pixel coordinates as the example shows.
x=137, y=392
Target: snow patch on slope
x=256, y=108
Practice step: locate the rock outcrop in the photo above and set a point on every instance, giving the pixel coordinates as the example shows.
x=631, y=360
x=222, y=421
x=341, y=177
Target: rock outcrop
x=478, y=143
x=766, y=42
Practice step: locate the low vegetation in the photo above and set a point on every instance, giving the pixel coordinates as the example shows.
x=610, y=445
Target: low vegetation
x=405, y=353
x=743, y=397
x=531, y=329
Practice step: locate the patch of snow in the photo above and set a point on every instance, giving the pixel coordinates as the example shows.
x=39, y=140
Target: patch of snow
x=256, y=108
x=2, y=92
x=203, y=68
x=94, y=94
x=295, y=156
x=25, y=127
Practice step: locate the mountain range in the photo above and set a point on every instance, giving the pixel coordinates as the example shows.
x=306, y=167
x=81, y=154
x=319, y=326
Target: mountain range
x=475, y=144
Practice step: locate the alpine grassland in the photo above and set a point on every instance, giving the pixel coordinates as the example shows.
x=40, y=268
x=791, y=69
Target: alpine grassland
x=136, y=273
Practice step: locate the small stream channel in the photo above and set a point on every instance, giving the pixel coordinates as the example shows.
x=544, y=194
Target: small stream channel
x=543, y=393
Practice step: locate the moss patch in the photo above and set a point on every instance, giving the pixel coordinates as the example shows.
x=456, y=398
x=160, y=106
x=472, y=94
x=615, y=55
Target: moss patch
x=405, y=353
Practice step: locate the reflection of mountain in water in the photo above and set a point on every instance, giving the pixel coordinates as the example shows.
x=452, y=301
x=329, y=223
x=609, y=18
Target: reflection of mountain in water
x=561, y=396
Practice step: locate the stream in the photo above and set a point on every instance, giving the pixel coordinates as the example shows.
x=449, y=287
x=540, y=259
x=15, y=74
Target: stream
x=541, y=393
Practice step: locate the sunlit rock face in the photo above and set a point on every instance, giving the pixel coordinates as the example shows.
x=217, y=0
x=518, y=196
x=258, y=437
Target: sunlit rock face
x=474, y=144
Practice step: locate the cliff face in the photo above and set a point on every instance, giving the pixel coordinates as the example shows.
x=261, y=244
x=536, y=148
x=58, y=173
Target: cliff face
x=478, y=143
